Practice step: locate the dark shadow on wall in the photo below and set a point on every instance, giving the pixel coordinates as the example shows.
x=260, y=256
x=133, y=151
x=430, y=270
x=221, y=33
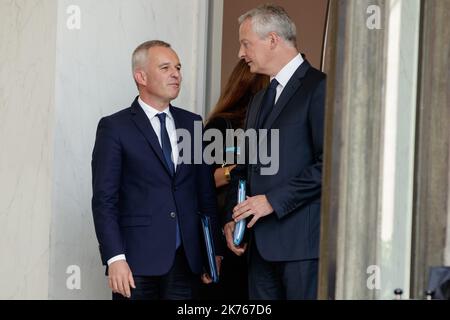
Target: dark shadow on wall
x=309, y=17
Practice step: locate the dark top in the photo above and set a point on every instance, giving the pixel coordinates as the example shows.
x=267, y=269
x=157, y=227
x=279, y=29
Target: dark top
x=222, y=124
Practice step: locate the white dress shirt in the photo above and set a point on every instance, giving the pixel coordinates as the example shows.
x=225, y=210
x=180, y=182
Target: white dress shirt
x=286, y=73
x=170, y=126
x=171, y=130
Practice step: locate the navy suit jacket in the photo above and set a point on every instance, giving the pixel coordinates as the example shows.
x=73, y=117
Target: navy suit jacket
x=292, y=231
x=134, y=195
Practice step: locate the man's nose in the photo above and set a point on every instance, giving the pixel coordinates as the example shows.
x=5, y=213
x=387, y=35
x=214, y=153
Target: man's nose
x=241, y=53
x=176, y=73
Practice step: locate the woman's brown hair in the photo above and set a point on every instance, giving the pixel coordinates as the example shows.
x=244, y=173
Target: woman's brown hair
x=241, y=86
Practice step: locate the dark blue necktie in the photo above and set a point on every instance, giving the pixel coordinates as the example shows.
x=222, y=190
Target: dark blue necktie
x=167, y=150
x=165, y=143
x=268, y=102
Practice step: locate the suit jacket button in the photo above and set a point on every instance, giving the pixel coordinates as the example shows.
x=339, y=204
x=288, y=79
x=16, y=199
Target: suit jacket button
x=172, y=215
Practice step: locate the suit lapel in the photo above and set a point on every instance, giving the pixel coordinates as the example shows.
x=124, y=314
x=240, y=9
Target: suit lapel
x=142, y=122
x=291, y=87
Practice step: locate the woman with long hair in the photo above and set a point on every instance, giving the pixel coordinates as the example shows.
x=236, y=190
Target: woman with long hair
x=229, y=113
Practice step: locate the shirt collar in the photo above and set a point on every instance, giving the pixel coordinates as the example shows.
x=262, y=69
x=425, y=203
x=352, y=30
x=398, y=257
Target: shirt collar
x=288, y=70
x=152, y=112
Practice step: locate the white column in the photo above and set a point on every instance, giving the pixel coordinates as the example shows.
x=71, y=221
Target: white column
x=369, y=149
x=214, y=71
x=398, y=146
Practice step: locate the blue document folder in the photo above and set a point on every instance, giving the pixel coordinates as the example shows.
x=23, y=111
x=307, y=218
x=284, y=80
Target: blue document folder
x=239, y=229
x=209, y=245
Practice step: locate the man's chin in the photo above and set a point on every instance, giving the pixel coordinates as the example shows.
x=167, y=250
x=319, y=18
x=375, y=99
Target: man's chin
x=253, y=68
x=173, y=97
x=174, y=94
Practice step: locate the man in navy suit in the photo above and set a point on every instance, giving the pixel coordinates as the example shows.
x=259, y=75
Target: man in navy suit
x=145, y=204
x=283, y=209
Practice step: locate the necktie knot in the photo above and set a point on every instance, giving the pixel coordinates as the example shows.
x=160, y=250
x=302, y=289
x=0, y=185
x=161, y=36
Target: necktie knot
x=273, y=84
x=161, y=117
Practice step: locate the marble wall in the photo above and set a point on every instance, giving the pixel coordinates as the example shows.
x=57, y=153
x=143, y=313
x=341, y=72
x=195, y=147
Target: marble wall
x=93, y=79
x=77, y=69
x=27, y=110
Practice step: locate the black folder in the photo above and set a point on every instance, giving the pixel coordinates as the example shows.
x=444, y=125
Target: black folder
x=209, y=246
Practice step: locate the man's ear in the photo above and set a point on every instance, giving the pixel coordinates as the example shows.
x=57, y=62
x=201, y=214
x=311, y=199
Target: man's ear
x=274, y=39
x=140, y=77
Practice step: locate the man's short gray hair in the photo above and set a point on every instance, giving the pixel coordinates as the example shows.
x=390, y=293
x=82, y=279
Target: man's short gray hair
x=140, y=54
x=271, y=18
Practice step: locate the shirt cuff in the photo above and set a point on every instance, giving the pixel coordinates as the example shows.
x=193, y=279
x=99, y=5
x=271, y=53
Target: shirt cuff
x=116, y=258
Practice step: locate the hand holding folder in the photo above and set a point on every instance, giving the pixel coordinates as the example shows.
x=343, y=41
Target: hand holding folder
x=210, y=250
